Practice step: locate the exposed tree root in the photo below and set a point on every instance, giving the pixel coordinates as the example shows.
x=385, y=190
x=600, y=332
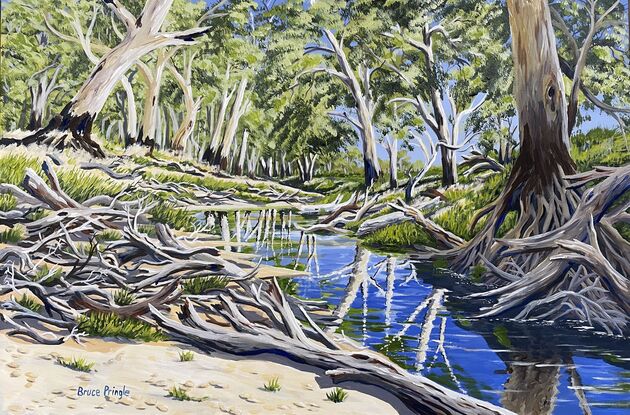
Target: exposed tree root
x=563, y=259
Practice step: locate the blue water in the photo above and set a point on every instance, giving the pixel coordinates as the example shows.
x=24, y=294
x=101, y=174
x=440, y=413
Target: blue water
x=485, y=357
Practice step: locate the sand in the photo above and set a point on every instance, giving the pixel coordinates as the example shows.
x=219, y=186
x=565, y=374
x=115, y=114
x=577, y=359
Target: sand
x=32, y=382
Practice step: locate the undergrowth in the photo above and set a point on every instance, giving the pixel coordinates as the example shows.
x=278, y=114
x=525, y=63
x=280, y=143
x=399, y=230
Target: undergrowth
x=111, y=325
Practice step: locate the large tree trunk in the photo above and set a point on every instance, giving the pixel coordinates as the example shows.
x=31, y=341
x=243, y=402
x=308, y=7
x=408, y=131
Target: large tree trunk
x=563, y=258
x=536, y=187
x=73, y=126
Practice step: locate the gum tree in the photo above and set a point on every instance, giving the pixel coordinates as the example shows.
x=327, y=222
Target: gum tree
x=73, y=126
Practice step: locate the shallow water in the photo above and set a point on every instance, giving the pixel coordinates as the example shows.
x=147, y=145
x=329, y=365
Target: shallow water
x=419, y=317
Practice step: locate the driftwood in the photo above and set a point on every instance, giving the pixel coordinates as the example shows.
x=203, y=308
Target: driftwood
x=253, y=316
x=282, y=333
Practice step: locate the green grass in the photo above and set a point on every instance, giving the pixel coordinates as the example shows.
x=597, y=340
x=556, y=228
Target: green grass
x=186, y=356
x=7, y=203
x=149, y=230
x=180, y=394
x=123, y=297
x=210, y=182
x=201, y=285
x=51, y=275
x=13, y=235
x=476, y=273
x=624, y=230
x=288, y=286
x=174, y=217
x=337, y=395
x=273, y=385
x=111, y=325
x=401, y=235
x=465, y=204
x=108, y=235
x=79, y=364
x=29, y=302
x=13, y=167
x=599, y=146
x=82, y=185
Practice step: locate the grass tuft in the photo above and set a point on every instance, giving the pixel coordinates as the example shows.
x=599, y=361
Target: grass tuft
x=79, y=364
x=29, y=302
x=13, y=167
x=7, y=203
x=186, y=356
x=48, y=276
x=201, y=285
x=108, y=235
x=123, y=297
x=402, y=235
x=180, y=394
x=174, y=217
x=273, y=385
x=111, y=325
x=13, y=235
x=337, y=395
x=476, y=273
x=82, y=185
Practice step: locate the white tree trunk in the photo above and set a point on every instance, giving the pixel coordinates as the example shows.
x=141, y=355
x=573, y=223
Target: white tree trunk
x=192, y=106
x=239, y=107
x=243, y=154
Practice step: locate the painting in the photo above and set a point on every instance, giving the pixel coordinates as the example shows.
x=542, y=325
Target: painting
x=314, y=207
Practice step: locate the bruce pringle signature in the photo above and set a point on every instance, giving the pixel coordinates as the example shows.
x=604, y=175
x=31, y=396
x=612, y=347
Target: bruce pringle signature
x=105, y=391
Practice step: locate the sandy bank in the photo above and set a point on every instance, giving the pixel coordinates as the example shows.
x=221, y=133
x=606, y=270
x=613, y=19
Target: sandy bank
x=32, y=382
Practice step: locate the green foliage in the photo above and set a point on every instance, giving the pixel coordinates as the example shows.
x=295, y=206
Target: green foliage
x=201, y=285
x=48, y=276
x=81, y=185
x=273, y=385
x=401, y=235
x=186, y=356
x=599, y=147
x=288, y=286
x=13, y=235
x=29, y=302
x=181, y=394
x=174, y=217
x=337, y=395
x=108, y=235
x=111, y=325
x=123, y=297
x=465, y=204
x=78, y=364
x=13, y=167
x=7, y=202
x=477, y=272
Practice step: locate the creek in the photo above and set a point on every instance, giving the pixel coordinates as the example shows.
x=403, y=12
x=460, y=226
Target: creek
x=420, y=317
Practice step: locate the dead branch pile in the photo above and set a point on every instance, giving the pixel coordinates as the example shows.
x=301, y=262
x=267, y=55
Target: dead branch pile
x=61, y=262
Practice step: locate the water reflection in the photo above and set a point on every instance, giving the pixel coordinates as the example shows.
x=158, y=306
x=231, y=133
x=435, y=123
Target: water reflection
x=420, y=318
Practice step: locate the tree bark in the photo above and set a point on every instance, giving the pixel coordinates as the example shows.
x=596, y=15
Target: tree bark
x=536, y=186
